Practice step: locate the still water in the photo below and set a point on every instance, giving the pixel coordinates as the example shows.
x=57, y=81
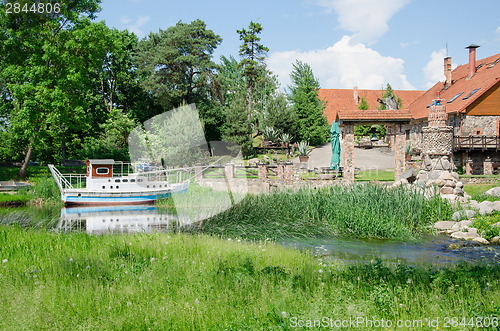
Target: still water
x=133, y=219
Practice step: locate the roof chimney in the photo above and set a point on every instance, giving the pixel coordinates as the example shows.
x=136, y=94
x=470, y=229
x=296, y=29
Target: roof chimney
x=355, y=95
x=472, y=60
x=447, y=71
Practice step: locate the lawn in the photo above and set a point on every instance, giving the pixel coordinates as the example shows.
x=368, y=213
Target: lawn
x=376, y=175
x=166, y=281
x=476, y=190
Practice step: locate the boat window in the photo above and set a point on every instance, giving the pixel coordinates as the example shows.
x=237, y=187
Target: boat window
x=103, y=187
x=125, y=180
x=139, y=180
x=154, y=186
x=117, y=187
x=117, y=180
x=111, y=186
x=132, y=180
x=102, y=171
x=147, y=186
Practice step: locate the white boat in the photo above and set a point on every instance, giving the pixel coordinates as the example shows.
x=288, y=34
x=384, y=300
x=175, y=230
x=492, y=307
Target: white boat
x=126, y=219
x=107, y=182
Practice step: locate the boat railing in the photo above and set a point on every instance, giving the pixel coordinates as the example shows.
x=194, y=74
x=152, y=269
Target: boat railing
x=67, y=181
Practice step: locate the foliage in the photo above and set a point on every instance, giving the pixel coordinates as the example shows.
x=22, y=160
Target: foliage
x=46, y=67
x=303, y=148
x=238, y=126
x=312, y=123
x=112, y=143
x=476, y=191
x=197, y=282
x=270, y=133
x=177, y=64
x=355, y=211
x=253, y=53
x=486, y=223
x=389, y=93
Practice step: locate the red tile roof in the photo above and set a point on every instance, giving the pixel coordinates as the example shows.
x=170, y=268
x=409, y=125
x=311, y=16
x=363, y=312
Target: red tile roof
x=343, y=99
x=390, y=115
x=487, y=75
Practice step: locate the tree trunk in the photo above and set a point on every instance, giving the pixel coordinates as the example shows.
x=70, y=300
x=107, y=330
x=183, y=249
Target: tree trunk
x=24, y=167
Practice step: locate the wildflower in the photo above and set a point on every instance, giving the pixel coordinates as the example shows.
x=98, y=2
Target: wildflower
x=129, y=304
x=283, y=313
x=88, y=267
x=70, y=259
x=409, y=281
x=152, y=259
x=320, y=270
x=122, y=265
x=5, y=261
x=196, y=301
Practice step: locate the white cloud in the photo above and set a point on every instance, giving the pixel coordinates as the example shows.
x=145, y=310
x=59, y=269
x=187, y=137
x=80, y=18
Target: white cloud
x=498, y=30
x=344, y=65
x=135, y=26
x=434, y=69
x=367, y=19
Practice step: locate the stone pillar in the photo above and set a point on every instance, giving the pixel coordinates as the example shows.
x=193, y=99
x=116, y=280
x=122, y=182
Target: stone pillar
x=288, y=172
x=399, y=152
x=281, y=173
x=262, y=170
x=349, y=154
x=468, y=167
x=488, y=166
x=229, y=170
x=198, y=172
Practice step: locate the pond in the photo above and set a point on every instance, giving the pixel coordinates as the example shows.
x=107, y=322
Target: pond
x=133, y=219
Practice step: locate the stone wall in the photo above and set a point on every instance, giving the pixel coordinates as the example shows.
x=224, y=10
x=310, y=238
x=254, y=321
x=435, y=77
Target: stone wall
x=488, y=125
x=437, y=140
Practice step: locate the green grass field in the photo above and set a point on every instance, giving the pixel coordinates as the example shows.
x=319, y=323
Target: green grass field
x=196, y=282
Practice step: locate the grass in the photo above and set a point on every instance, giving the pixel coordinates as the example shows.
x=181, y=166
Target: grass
x=485, y=223
x=198, y=282
x=363, y=211
x=378, y=175
x=476, y=191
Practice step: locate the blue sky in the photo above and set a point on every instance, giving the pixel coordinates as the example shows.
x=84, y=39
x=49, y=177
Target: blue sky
x=364, y=43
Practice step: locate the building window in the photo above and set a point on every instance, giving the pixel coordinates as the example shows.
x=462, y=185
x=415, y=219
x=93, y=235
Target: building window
x=478, y=131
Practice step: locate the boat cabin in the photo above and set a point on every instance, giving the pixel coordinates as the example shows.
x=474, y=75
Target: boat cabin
x=100, y=168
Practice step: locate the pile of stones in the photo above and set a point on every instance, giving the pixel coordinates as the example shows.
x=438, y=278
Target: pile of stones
x=442, y=182
x=461, y=225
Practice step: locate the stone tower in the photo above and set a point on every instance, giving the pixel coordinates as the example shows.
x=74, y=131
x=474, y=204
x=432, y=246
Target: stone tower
x=437, y=139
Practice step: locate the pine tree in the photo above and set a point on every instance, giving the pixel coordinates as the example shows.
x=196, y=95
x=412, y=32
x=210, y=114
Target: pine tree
x=312, y=123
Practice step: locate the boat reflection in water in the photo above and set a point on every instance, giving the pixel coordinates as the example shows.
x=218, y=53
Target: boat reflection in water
x=121, y=219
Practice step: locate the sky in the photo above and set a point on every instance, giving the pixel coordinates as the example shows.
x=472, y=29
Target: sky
x=347, y=43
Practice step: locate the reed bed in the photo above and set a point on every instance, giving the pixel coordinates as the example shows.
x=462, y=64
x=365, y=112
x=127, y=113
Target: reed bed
x=362, y=211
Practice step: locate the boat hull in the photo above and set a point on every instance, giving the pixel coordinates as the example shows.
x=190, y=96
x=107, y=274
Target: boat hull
x=84, y=198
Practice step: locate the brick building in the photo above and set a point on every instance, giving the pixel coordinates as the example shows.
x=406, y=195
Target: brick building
x=471, y=96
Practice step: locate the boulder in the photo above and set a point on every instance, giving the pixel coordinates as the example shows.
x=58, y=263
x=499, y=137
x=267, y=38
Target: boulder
x=459, y=185
x=423, y=175
x=458, y=191
x=434, y=174
x=494, y=192
x=410, y=175
x=452, y=198
x=481, y=241
x=430, y=183
x=495, y=240
x=440, y=182
x=470, y=234
x=470, y=213
x=253, y=161
x=461, y=226
x=444, y=225
x=496, y=205
x=446, y=190
x=420, y=183
x=485, y=207
x=447, y=176
x=450, y=183
x=457, y=216
x=455, y=175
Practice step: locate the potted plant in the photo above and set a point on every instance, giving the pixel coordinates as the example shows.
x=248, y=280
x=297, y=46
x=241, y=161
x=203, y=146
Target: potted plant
x=408, y=153
x=304, y=151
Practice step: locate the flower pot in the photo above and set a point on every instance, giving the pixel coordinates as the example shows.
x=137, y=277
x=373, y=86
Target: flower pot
x=303, y=158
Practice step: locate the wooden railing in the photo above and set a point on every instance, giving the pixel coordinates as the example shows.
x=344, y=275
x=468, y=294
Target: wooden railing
x=476, y=142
